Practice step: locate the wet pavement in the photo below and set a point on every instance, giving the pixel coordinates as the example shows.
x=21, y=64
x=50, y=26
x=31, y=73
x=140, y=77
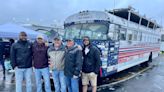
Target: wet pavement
x=150, y=81
x=8, y=84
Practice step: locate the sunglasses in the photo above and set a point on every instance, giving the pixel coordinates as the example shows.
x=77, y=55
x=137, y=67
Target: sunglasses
x=56, y=39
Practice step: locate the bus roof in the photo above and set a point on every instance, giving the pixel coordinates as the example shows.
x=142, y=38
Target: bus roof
x=87, y=16
x=128, y=14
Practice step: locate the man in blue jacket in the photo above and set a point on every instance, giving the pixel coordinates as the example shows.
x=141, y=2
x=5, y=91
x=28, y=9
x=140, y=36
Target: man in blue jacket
x=91, y=65
x=21, y=61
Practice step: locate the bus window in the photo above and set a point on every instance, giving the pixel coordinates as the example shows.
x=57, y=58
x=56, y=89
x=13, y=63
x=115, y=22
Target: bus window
x=139, y=36
x=129, y=37
x=116, y=35
x=158, y=40
x=113, y=32
x=135, y=33
x=122, y=34
x=162, y=38
x=113, y=35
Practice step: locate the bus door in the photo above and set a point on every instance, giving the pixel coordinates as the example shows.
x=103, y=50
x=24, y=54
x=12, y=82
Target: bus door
x=109, y=56
x=110, y=66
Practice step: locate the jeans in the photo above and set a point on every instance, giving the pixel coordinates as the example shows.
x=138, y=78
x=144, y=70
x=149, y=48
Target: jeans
x=20, y=74
x=46, y=76
x=3, y=66
x=59, y=81
x=72, y=84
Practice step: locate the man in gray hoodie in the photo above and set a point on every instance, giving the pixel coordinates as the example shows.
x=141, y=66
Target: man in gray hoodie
x=56, y=54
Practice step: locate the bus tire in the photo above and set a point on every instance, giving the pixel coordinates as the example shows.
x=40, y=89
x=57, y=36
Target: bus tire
x=144, y=64
x=150, y=57
x=147, y=63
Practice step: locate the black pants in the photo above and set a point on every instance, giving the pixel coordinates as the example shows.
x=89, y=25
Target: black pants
x=3, y=66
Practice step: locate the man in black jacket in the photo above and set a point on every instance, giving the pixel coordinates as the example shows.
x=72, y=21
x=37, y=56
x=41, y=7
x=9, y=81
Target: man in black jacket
x=73, y=65
x=91, y=65
x=21, y=61
x=2, y=49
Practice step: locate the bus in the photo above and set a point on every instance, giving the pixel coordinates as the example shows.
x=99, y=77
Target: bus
x=124, y=37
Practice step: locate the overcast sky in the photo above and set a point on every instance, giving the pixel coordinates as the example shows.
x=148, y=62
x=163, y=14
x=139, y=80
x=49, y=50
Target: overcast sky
x=50, y=11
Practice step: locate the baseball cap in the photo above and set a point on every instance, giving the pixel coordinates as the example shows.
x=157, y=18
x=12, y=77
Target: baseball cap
x=40, y=36
x=69, y=39
x=57, y=38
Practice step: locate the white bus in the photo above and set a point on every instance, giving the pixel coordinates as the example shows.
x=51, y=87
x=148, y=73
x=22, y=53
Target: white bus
x=125, y=38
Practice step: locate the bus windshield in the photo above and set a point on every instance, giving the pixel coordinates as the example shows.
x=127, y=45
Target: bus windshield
x=94, y=31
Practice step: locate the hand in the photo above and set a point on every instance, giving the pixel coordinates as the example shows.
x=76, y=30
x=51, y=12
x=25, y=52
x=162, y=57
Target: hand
x=51, y=64
x=46, y=43
x=75, y=77
x=93, y=73
x=79, y=47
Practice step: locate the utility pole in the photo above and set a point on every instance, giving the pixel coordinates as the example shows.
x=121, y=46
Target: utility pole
x=114, y=3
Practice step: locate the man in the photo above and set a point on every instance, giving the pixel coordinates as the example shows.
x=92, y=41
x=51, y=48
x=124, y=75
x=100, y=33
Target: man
x=73, y=64
x=91, y=65
x=40, y=61
x=56, y=56
x=21, y=61
x=2, y=48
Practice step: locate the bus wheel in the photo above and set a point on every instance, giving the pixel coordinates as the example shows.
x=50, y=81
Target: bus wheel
x=147, y=63
x=150, y=57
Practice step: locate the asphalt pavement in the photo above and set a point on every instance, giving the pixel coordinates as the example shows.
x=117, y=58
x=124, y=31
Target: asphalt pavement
x=150, y=81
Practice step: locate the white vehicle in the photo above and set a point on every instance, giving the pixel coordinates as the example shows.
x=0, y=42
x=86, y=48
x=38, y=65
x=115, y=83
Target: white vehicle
x=125, y=38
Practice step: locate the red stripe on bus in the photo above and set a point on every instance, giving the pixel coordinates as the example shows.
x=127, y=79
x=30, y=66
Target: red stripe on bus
x=133, y=51
x=125, y=59
x=136, y=53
